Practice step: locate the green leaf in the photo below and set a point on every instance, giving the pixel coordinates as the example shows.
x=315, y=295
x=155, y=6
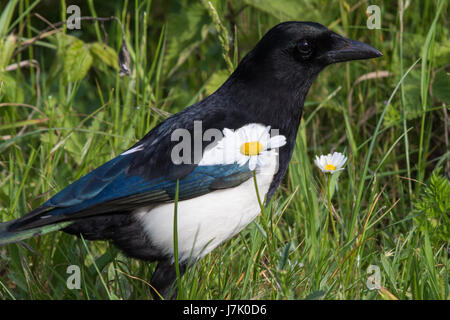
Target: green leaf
x=183, y=29
x=101, y=262
x=412, y=96
x=412, y=105
x=284, y=257
x=393, y=115
x=64, y=39
x=5, y=18
x=7, y=47
x=77, y=61
x=11, y=90
x=441, y=85
x=442, y=52
x=316, y=295
x=104, y=53
x=287, y=9
x=434, y=204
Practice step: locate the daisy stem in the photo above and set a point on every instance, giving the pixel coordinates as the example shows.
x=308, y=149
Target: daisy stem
x=261, y=205
x=329, y=206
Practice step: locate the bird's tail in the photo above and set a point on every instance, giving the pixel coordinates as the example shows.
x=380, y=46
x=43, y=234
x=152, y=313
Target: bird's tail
x=9, y=234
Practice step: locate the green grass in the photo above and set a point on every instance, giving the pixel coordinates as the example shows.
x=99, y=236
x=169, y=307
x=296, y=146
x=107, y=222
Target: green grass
x=67, y=111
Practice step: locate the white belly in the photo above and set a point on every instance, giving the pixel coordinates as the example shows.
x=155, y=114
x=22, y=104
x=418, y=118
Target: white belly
x=206, y=221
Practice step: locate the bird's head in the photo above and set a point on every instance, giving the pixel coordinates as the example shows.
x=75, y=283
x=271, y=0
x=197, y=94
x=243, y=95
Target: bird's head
x=295, y=52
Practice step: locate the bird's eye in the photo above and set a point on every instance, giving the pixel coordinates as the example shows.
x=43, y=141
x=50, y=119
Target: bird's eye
x=304, y=48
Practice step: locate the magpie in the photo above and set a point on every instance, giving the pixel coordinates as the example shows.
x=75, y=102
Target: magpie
x=130, y=200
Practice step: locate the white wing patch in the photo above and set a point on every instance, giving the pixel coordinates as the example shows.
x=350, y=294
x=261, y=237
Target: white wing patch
x=132, y=150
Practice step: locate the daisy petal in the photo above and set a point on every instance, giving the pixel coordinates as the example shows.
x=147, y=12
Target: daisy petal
x=277, y=141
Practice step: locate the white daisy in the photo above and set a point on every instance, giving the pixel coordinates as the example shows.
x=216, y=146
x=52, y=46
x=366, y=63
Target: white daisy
x=331, y=163
x=251, y=143
x=254, y=141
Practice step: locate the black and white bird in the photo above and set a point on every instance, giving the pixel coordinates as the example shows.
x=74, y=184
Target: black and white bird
x=227, y=141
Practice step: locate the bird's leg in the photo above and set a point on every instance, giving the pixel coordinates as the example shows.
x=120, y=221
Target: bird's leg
x=164, y=280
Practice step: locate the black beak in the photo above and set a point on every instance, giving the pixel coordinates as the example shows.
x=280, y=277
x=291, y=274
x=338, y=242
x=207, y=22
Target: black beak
x=344, y=49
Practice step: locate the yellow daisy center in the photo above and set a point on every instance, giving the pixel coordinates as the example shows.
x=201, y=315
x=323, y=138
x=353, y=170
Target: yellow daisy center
x=251, y=148
x=330, y=167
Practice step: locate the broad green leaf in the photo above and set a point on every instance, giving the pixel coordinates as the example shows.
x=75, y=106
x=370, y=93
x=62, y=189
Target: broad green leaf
x=10, y=89
x=7, y=47
x=413, y=108
x=104, y=53
x=442, y=52
x=64, y=39
x=393, y=115
x=77, y=61
x=441, y=85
